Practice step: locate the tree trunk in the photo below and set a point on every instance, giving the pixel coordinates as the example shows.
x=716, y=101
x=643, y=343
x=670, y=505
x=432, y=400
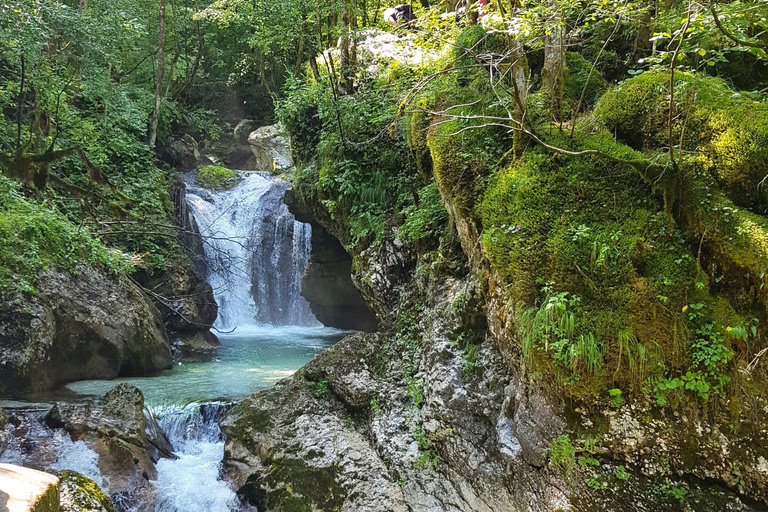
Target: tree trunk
x=158, y=77
x=553, y=74
x=520, y=72
x=345, y=64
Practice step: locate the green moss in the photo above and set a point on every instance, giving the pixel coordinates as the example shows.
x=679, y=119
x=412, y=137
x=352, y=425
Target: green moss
x=252, y=418
x=82, y=494
x=216, y=177
x=417, y=140
x=290, y=485
x=726, y=129
x=581, y=78
x=589, y=228
x=737, y=237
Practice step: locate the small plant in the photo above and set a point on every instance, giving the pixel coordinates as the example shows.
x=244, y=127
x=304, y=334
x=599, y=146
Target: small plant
x=621, y=473
x=375, y=406
x=616, y=396
x=428, y=458
x=470, y=359
x=588, y=461
x=348, y=423
x=596, y=483
x=322, y=388
x=413, y=390
x=561, y=452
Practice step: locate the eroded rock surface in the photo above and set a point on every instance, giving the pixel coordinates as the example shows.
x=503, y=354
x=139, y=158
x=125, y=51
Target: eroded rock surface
x=84, y=326
x=271, y=148
x=127, y=440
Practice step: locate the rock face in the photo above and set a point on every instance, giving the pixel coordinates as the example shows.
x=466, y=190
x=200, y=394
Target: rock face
x=78, y=493
x=88, y=326
x=327, y=284
x=181, y=152
x=328, y=287
x=186, y=303
x=435, y=414
x=128, y=442
x=271, y=149
x=27, y=490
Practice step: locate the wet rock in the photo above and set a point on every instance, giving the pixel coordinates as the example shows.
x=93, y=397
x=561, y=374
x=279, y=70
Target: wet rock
x=328, y=287
x=127, y=439
x=271, y=149
x=181, y=152
x=27, y=490
x=184, y=299
x=78, y=493
x=84, y=326
x=327, y=283
x=198, y=341
x=243, y=129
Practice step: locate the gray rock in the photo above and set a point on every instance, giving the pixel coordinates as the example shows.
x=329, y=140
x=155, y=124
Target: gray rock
x=78, y=493
x=243, y=129
x=271, y=149
x=84, y=326
x=127, y=439
x=181, y=152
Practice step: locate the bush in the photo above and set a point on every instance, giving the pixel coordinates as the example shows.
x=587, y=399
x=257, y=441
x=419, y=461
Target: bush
x=37, y=236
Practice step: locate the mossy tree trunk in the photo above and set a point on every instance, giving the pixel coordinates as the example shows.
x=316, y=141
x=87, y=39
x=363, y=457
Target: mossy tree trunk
x=553, y=74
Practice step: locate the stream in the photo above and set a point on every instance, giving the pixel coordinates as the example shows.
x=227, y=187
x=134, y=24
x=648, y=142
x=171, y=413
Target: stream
x=255, y=255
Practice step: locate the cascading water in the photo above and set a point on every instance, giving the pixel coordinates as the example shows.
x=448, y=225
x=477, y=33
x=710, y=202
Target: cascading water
x=192, y=482
x=255, y=250
x=255, y=257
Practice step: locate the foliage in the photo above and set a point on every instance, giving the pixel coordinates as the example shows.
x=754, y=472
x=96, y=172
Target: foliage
x=37, y=237
x=561, y=452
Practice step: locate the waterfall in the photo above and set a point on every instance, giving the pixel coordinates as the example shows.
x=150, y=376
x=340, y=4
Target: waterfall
x=193, y=481
x=256, y=252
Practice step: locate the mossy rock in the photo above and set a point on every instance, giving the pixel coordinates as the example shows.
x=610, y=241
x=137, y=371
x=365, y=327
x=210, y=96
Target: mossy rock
x=589, y=228
x=726, y=129
x=215, y=177
x=81, y=494
x=582, y=78
x=291, y=485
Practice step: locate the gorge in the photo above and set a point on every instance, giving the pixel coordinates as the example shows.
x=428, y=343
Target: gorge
x=290, y=257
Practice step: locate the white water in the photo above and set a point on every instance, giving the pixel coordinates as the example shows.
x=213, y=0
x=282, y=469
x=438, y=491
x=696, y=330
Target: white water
x=192, y=482
x=256, y=252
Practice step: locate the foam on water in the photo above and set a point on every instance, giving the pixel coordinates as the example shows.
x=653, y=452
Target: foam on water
x=193, y=481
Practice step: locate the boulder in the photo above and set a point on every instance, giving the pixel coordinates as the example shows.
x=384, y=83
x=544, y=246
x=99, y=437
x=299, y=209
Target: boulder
x=271, y=149
x=181, y=152
x=184, y=298
x=85, y=326
x=78, y=493
x=127, y=439
x=243, y=129
x=27, y=490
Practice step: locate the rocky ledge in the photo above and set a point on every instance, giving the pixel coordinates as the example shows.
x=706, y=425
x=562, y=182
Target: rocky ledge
x=85, y=326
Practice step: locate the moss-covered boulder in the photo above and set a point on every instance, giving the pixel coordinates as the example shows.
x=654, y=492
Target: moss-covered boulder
x=727, y=130
x=216, y=177
x=78, y=493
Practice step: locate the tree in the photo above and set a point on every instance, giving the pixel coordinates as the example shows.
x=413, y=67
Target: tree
x=158, y=77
